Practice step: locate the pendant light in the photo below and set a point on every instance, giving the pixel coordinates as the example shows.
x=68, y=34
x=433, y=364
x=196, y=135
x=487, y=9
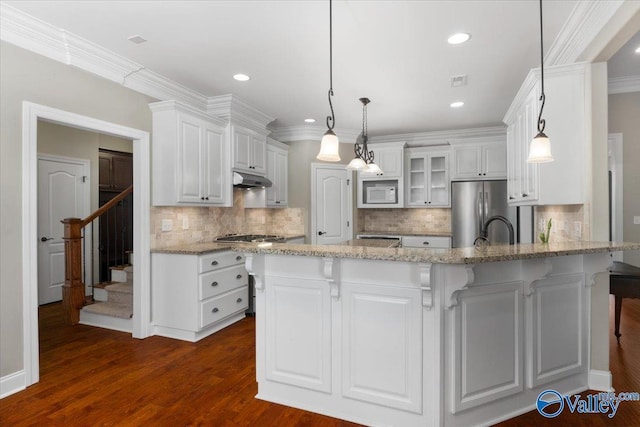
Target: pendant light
x=363, y=160
x=329, y=146
x=540, y=148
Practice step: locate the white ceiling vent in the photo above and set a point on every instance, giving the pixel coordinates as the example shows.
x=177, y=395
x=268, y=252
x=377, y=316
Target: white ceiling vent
x=137, y=39
x=457, y=81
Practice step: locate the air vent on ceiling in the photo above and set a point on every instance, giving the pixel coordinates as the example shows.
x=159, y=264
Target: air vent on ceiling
x=137, y=39
x=457, y=81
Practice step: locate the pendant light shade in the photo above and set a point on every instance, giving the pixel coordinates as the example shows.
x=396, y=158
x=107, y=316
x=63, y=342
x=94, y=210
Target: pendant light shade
x=356, y=164
x=373, y=169
x=540, y=148
x=330, y=145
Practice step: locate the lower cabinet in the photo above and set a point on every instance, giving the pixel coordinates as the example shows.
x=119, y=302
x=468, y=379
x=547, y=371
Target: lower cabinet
x=427, y=242
x=196, y=295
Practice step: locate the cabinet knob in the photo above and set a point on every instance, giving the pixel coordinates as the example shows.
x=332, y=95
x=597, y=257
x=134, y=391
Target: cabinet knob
x=525, y=195
x=215, y=310
x=214, y=262
x=239, y=300
x=320, y=233
x=484, y=173
x=206, y=198
x=202, y=198
x=511, y=197
x=214, y=284
x=429, y=202
x=277, y=201
x=239, y=276
x=479, y=174
x=239, y=257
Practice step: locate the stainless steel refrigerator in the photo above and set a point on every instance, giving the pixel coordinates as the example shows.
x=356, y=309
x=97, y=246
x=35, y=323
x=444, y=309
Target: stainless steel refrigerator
x=472, y=203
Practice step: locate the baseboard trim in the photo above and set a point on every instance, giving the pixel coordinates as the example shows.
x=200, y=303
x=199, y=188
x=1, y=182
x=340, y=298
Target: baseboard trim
x=106, y=322
x=600, y=380
x=13, y=383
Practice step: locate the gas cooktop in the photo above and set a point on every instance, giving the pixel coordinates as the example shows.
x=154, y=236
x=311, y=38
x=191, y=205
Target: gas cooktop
x=250, y=238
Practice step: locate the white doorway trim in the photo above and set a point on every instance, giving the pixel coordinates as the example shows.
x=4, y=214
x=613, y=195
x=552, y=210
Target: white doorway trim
x=314, y=191
x=617, y=195
x=31, y=113
x=86, y=206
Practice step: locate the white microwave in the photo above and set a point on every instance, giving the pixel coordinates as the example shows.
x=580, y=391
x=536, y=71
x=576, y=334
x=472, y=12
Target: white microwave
x=382, y=194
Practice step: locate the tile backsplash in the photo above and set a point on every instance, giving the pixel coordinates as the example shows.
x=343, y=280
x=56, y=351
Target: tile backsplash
x=204, y=224
x=569, y=222
x=404, y=221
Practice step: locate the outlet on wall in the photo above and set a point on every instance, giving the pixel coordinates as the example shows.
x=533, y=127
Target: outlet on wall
x=167, y=225
x=636, y=220
x=577, y=229
x=185, y=223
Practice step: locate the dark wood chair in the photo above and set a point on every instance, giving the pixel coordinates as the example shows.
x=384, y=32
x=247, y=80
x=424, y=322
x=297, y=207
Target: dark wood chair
x=624, y=282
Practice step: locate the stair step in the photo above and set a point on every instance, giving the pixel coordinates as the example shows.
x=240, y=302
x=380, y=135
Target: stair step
x=108, y=308
x=102, y=285
x=122, y=287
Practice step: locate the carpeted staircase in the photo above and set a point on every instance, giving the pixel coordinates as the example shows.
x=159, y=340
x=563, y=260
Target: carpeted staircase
x=113, y=308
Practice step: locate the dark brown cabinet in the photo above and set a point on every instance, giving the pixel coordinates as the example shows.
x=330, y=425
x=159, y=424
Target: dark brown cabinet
x=116, y=170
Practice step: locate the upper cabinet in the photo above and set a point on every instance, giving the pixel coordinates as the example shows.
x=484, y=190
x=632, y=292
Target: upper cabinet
x=428, y=183
x=249, y=150
x=277, y=172
x=482, y=160
x=190, y=157
x=568, y=91
x=386, y=189
x=115, y=170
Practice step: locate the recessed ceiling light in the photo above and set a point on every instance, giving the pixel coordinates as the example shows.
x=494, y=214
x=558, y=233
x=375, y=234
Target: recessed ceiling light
x=309, y=120
x=638, y=49
x=457, y=104
x=136, y=39
x=459, y=38
x=241, y=77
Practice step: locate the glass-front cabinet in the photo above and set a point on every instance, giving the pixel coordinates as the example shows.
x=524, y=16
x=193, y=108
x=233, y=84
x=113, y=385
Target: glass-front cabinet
x=428, y=177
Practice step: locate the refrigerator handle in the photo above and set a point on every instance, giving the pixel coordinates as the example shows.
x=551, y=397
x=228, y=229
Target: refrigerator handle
x=480, y=223
x=486, y=206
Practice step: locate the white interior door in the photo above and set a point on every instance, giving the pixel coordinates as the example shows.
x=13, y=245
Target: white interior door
x=63, y=192
x=332, y=201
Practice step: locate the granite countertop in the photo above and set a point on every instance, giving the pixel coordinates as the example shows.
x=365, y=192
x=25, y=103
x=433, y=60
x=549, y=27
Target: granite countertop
x=201, y=248
x=372, y=243
x=442, y=256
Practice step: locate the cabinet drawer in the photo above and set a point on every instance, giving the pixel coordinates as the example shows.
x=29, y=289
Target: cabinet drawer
x=218, y=260
x=223, y=306
x=218, y=282
x=434, y=242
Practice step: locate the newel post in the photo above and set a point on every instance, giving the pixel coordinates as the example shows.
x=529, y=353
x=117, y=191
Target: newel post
x=73, y=288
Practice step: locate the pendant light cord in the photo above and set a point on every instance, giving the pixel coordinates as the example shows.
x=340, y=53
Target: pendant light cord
x=331, y=120
x=541, y=122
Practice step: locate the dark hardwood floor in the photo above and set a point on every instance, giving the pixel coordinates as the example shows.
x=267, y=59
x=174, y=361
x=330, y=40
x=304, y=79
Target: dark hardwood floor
x=96, y=377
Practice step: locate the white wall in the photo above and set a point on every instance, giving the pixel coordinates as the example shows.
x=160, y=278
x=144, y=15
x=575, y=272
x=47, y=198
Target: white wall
x=25, y=76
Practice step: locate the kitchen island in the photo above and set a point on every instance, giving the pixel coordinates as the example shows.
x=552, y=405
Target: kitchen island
x=418, y=337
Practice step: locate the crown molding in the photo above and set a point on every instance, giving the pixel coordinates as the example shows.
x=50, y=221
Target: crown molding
x=442, y=137
x=172, y=105
x=35, y=35
x=624, y=85
x=585, y=22
x=312, y=133
x=233, y=108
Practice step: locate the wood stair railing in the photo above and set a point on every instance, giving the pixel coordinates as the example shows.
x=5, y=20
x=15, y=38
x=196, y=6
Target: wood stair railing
x=73, y=298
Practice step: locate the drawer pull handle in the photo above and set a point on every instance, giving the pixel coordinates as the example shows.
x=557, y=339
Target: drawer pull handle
x=425, y=243
x=525, y=195
x=214, y=262
x=238, y=258
x=239, y=276
x=239, y=300
x=214, y=284
x=215, y=310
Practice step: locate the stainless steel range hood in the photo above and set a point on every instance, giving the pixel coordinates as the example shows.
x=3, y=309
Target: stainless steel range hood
x=246, y=180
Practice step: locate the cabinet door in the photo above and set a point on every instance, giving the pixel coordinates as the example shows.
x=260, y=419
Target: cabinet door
x=390, y=161
x=467, y=162
x=494, y=160
x=272, y=174
x=190, y=160
x=258, y=157
x=439, y=188
x=214, y=184
x=417, y=188
x=104, y=171
x=382, y=345
x=282, y=177
x=242, y=150
x=529, y=185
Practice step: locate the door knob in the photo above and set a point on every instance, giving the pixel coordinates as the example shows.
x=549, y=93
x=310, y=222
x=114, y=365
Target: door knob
x=44, y=239
x=320, y=233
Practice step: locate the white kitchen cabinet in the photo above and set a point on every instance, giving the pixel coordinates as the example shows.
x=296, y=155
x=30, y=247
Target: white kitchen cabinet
x=561, y=182
x=249, y=150
x=190, y=157
x=427, y=242
x=389, y=156
x=485, y=160
x=278, y=173
x=428, y=183
x=197, y=295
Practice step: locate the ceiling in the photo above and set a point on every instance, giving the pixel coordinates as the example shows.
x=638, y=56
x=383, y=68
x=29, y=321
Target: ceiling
x=393, y=52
